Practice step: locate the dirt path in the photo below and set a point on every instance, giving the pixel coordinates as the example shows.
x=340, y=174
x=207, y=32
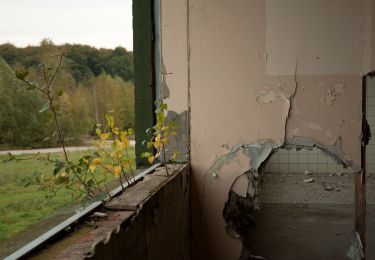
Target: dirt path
x=53, y=150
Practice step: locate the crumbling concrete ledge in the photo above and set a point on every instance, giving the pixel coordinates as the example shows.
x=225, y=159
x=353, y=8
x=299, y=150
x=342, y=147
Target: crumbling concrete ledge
x=150, y=220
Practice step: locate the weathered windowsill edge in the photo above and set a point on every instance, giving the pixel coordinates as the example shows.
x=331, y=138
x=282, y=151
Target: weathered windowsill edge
x=61, y=228
x=120, y=213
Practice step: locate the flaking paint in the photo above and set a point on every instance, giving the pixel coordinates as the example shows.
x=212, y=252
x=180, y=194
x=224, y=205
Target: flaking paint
x=241, y=92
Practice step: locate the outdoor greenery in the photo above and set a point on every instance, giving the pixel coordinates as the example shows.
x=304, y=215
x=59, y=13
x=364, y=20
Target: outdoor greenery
x=91, y=83
x=53, y=96
x=59, y=95
x=160, y=135
x=23, y=202
x=112, y=150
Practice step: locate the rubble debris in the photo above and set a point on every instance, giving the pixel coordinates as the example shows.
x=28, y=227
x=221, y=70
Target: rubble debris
x=307, y=172
x=247, y=255
x=99, y=215
x=356, y=249
x=308, y=180
x=328, y=187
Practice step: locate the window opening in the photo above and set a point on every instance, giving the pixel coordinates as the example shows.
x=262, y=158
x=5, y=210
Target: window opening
x=95, y=79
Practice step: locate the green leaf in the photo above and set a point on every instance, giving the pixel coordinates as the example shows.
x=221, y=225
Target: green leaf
x=59, y=93
x=163, y=106
x=59, y=165
x=21, y=74
x=110, y=120
x=145, y=154
x=90, y=183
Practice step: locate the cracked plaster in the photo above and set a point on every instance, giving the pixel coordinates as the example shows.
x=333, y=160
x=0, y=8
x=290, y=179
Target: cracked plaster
x=251, y=96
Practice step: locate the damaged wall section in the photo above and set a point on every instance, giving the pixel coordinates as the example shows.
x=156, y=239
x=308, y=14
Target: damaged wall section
x=174, y=69
x=255, y=77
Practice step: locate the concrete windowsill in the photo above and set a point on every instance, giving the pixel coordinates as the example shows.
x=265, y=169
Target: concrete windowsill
x=157, y=197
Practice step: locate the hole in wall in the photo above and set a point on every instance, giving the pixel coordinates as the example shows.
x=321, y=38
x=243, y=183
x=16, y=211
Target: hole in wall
x=307, y=207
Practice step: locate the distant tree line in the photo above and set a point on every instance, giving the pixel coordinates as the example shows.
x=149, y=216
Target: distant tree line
x=93, y=82
x=83, y=60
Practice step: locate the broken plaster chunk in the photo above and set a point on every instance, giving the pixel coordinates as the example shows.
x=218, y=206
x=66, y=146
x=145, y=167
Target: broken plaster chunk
x=328, y=187
x=242, y=185
x=308, y=180
x=266, y=96
x=313, y=126
x=99, y=215
x=307, y=172
x=339, y=88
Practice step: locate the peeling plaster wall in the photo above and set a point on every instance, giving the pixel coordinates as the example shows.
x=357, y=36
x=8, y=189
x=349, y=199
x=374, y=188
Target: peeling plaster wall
x=321, y=112
x=174, y=67
x=254, y=84
x=174, y=53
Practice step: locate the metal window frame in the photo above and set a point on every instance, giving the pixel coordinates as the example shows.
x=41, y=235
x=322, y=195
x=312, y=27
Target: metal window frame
x=147, y=70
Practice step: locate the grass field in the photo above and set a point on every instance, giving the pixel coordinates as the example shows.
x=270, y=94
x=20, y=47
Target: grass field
x=23, y=205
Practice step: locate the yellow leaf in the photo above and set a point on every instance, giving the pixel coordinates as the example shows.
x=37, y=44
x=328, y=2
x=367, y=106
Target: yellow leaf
x=117, y=171
x=119, y=144
x=92, y=168
x=96, y=161
x=124, y=139
x=115, y=130
x=104, y=136
x=174, y=156
x=119, y=154
x=63, y=174
x=110, y=120
x=108, y=167
x=157, y=142
x=174, y=133
x=151, y=159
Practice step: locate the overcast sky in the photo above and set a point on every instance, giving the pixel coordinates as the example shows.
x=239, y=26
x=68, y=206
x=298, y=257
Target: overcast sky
x=100, y=23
